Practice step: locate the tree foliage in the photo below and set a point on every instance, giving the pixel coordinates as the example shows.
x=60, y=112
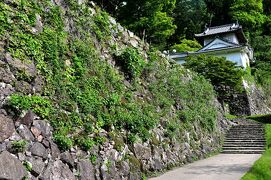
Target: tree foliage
x=164, y=22
x=186, y=45
x=262, y=65
x=171, y=24
x=150, y=19
x=224, y=75
x=219, y=11
x=249, y=13
x=189, y=16
x=262, y=48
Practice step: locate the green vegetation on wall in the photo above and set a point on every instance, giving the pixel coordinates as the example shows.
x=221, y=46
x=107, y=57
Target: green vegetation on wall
x=84, y=94
x=131, y=62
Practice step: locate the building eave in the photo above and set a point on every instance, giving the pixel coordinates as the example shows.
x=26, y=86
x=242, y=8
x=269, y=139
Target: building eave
x=181, y=56
x=228, y=49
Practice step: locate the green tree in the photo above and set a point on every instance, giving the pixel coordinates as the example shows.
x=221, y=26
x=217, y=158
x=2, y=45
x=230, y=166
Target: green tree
x=249, y=13
x=224, y=75
x=262, y=49
x=190, y=17
x=267, y=7
x=150, y=19
x=186, y=45
x=219, y=11
x=111, y=6
x=262, y=65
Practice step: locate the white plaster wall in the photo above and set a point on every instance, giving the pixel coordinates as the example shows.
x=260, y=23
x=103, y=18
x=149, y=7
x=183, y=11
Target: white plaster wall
x=180, y=61
x=217, y=45
x=230, y=37
x=245, y=60
x=232, y=56
x=241, y=59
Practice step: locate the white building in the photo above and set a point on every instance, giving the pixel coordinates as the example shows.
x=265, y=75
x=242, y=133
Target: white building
x=227, y=41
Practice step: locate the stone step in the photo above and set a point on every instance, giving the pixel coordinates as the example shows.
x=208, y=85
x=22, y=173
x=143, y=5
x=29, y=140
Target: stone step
x=244, y=145
x=241, y=141
x=240, y=149
x=247, y=128
x=243, y=148
x=248, y=125
x=243, y=152
x=245, y=138
x=244, y=131
x=244, y=135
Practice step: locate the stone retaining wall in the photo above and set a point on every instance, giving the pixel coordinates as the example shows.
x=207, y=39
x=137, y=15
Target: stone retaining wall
x=27, y=148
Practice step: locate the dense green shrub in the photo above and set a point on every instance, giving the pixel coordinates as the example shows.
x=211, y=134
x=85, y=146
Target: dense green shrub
x=85, y=143
x=63, y=141
x=225, y=76
x=131, y=62
x=262, y=65
x=175, y=88
x=186, y=45
x=40, y=105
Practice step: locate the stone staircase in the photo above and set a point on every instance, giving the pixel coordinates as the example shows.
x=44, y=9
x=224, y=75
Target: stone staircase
x=247, y=137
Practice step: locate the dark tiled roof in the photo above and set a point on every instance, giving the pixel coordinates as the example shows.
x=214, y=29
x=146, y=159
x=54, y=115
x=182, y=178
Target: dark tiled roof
x=220, y=29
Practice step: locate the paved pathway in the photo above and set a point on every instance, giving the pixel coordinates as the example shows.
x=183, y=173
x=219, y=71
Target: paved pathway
x=219, y=167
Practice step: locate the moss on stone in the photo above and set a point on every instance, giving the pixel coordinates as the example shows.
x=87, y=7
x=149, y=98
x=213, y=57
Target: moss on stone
x=135, y=164
x=154, y=140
